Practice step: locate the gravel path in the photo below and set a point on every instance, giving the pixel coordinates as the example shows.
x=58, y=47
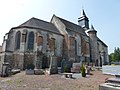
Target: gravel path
x=52, y=82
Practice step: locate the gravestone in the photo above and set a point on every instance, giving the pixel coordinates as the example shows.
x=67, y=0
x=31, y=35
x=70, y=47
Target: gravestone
x=29, y=72
x=5, y=70
x=39, y=62
x=38, y=72
x=66, y=66
x=112, y=70
x=53, y=65
x=62, y=65
x=110, y=84
x=75, y=68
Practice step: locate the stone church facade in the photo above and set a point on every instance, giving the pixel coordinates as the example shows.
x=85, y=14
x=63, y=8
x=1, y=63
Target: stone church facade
x=36, y=41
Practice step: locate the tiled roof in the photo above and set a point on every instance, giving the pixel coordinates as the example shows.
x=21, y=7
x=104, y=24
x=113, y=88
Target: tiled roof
x=102, y=42
x=71, y=26
x=39, y=24
x=92, y=29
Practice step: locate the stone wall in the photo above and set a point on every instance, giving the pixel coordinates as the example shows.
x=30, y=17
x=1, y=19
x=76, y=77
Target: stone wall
x=46, y=42
x=74, y=45
x=103, y=53
x=62, y=29
x=93, y=46
x=10, y=44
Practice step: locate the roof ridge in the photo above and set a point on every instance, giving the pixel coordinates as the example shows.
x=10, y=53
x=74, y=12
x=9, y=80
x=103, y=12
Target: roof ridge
x=72, y=26
x=69, y=21
x=38, y=23
x=34, y=18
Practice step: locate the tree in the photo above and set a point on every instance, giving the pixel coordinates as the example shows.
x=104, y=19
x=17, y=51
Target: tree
x=111, y=57
x=116, y=55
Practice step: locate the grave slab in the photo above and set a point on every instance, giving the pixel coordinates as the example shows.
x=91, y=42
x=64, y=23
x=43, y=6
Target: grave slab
x=109, y=86
x=112, y=70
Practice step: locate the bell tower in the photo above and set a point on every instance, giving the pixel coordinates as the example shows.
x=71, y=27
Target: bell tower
x=83, y=20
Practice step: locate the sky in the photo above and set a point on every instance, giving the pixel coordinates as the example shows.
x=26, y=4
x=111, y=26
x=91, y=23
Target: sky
x=104, y=15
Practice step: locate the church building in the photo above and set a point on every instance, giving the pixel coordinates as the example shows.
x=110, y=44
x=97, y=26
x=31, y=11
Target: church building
x=36, y=41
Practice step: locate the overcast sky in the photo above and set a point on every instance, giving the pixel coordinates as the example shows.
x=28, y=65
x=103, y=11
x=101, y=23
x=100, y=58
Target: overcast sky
x=103, y=14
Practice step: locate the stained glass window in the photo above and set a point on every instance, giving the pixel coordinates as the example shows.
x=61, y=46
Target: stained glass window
x=17, y=40
x=75, y=47
x=31, y=41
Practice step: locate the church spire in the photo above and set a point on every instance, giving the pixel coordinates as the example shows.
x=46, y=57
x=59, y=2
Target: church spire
x=83, y=13
x=83, y=20
x=92, y=28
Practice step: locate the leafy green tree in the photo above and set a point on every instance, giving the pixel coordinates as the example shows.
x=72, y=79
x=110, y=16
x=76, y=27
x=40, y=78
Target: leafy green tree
x=115, y=56
x=111, y=57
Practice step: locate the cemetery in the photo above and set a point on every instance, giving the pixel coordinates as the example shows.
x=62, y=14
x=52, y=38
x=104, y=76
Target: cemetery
x=77, y=77
x=107, y=77
x=22, y=81
x=85, y=76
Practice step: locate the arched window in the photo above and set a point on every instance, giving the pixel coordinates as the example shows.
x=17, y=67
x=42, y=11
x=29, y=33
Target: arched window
x=75, y=47
x=39, y=40
x=30, y=41
x=17, y=40
x=52, y=44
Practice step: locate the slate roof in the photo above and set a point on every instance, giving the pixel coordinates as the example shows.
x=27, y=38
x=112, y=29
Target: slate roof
x=92, y=29
x=71, y=26
x=102, y=42
x=39, y=24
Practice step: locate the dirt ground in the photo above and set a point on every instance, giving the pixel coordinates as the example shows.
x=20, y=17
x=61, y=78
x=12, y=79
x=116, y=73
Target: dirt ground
x=21, y=81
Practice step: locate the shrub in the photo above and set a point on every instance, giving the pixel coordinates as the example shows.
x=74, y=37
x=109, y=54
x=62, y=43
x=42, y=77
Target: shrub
x=66, y=68
x=83, y=71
